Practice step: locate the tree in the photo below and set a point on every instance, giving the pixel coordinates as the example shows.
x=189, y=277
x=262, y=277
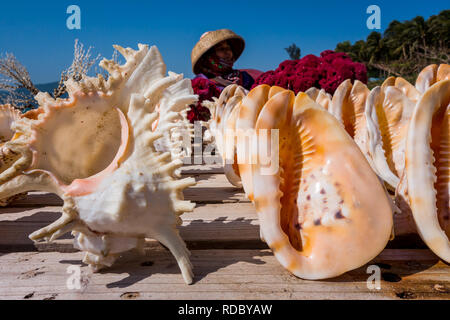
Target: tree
x=293, y=51
x=404, y=48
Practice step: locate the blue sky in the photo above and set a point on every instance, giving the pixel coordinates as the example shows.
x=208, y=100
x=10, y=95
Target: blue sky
x=36, y=32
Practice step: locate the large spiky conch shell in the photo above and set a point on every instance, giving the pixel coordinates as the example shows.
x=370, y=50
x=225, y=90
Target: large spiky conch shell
x=322, y=210
x=96, y=151
x=224, y=117
x=428, y=167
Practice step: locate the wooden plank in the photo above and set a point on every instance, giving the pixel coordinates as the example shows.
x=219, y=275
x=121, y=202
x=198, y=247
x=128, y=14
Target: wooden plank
x=227, y=225
x=201, y=168
x=219, y=274
x=210, y=188
x=209, y=226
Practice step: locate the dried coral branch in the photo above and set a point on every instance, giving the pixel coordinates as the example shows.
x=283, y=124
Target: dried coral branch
x=82, y=62
x=15, y=82
x=16, y=73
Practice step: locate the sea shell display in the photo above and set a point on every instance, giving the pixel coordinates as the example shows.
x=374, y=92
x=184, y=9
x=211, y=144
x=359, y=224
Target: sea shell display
x=322, y=210
x=428, y=167
x=96, y=150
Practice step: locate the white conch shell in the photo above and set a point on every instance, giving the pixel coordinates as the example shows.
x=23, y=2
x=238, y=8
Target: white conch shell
x=324, y=211
x=427, y=167
x=225, y=114
x=96, y=151
x=172, y=120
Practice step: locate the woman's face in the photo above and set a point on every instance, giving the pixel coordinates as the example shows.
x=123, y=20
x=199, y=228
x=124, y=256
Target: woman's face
x=223, y=51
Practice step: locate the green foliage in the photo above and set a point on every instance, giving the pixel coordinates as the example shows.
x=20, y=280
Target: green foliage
x=405, y=48
x=293, y=51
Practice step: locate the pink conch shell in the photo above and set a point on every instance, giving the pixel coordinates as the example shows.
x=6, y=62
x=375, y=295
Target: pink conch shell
x=96, y=150
x=323, y=211
x=427, y=167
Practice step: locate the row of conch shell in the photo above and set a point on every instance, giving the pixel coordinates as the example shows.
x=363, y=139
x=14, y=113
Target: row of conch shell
x=378, y=122
x=322, y=209
x=98, y=151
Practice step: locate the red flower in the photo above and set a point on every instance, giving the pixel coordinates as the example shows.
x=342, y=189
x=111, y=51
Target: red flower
x=327, y=72
x=206, y=90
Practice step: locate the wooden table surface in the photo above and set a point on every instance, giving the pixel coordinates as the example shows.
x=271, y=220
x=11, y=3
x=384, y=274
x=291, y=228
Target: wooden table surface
x=229, y=259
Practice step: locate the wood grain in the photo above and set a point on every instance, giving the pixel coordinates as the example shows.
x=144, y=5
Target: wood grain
x=219, y=274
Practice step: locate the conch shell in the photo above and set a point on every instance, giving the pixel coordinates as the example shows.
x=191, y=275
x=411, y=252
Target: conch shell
x=225, y=113
x=428, y=167
x=348, y=106
x=8, y=116
x=430, y=75
x=96, y=151
x=320, y=96
x=388, y=112
x=322, y=211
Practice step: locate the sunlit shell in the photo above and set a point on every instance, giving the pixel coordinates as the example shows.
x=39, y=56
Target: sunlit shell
x=225, y=113
x=428, y=167
x=250, y=108
x=322, y=211
x=348, y=106
x=324, y=99
x=430, y=75
x=96, y=151
x=388, y=111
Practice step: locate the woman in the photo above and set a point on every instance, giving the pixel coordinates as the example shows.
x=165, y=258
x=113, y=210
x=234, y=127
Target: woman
x=214, y=55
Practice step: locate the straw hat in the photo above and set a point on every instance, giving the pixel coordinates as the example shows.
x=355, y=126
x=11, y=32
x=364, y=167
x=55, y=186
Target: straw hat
x=210, y=39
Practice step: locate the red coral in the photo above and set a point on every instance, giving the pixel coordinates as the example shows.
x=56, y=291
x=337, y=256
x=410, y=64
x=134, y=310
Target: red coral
x=327, y=72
